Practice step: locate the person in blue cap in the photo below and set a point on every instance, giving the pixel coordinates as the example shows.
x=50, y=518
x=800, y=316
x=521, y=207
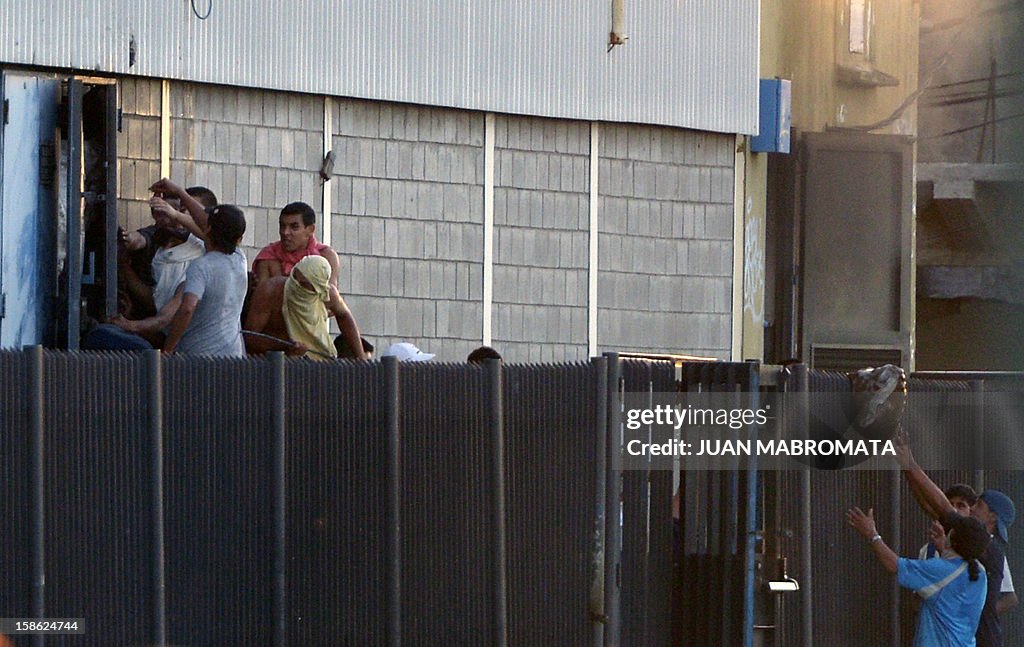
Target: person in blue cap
x=953, y=587
x=997, y=512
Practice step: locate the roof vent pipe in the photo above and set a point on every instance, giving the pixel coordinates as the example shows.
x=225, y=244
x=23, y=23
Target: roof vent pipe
x=617, y=35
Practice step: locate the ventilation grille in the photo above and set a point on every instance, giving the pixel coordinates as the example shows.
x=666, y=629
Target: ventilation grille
x=852, y=359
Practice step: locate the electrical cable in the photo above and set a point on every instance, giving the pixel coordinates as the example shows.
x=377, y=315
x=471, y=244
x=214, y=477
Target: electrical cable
x=975, y=127
x=982, y=79
x=974, y=97
x=209, y=8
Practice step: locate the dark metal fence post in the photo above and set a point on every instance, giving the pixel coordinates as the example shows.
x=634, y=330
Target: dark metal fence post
x=599, y=369
x=799, y=384
x=37, y=458
x=394, y=500
x=156, y=434
x=276, y=359
x=500, y=530
x=613, y=506
x=753, y=384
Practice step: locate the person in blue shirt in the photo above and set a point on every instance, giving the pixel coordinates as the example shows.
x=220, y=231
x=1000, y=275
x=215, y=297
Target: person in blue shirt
x=953, y=587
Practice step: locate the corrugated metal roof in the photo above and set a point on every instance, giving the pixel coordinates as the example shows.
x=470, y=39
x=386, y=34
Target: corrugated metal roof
x=692, y=64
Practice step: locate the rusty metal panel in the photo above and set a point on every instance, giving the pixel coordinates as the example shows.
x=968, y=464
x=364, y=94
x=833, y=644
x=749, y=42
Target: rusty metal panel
x=691, y=65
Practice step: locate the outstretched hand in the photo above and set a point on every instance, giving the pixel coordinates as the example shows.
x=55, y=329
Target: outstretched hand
x=903, y=454
x=159, y=205
x=166, y=186
x=861, y=522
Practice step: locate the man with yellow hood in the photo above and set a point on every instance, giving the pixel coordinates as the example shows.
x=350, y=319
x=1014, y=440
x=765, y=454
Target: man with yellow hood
x=295, y=308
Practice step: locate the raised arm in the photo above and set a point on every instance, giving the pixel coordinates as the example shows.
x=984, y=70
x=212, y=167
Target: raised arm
x=182, y=318
x=346, y=322
x=157, y=322
x=929, y=496
x=865, y=525
x=193, y=206
x=185, y=220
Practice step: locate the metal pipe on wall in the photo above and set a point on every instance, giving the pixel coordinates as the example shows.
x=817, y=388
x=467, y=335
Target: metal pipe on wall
x=156, y=434
x=487, y=290
x=165, y=128
x=618, y=31
x=593, y=238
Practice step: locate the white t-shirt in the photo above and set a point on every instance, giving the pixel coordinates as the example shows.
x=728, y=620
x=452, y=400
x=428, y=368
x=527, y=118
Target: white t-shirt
x=169, y=266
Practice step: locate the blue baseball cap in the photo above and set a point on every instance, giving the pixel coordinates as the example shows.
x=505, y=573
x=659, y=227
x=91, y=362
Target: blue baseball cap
x=1003, y=507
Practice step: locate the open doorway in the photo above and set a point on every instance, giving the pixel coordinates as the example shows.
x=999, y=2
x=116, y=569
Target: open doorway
x=88, y=282
x=58, y=224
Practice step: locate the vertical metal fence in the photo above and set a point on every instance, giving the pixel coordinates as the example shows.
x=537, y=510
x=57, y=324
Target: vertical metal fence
x=215, y=502
x=713, y=596
x=647, y=551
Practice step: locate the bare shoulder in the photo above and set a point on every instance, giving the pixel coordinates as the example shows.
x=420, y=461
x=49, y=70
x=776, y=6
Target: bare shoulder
x=331, y=255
